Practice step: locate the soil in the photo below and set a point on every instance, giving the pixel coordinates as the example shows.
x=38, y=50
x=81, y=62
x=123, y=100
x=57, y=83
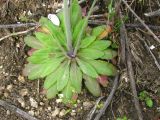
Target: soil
x=28, y=95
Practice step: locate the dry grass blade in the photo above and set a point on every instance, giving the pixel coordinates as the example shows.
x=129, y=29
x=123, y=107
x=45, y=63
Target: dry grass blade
x=147, y=47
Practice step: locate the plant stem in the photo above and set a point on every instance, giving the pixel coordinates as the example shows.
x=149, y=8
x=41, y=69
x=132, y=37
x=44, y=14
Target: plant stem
x=66, y=12
x=83, y=27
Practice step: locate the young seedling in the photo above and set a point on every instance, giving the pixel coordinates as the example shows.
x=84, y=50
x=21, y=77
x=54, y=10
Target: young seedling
x=67, y=54
x=144, y=96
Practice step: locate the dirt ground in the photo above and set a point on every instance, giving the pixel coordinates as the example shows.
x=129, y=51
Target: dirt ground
x=28, y=95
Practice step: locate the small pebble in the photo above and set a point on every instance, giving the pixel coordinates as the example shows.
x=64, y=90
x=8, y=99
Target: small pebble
x=41, y=103
x=152, y=47
x=8, y=112
x=6, y=94
x=58, y=100
x=1, y=67
x=21, y=79
x=36, y=113
x=62, y=112
x=21, y=101
x=73, y=114
x=33, y=103
x=87, y=105
x=23, y=92
x=55, y=112
x=31, y=112
x=49, y=108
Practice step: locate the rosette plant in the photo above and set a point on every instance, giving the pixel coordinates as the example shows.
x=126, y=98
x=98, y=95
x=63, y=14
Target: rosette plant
x=69, y=54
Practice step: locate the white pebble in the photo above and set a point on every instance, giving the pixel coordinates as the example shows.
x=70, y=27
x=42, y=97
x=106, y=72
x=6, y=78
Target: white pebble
x=152, y=47
x=33, y=103
x=31, y=112
x=55, y=112
x=49, y=108
x=23, y=92
x=8, y=112
x=62, y=113
x=54, y=19
x=21, y=101
x=58, y=100
x=9, y=87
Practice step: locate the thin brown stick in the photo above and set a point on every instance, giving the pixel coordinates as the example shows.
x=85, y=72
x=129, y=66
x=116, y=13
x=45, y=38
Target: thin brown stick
x=109, y=99
x=131, y=75
x=91, y=113
x=153, y=27
x=147, y=47
x=16, y=110
x=122, y=41
x=133, y=86
x=19, y=25
x=141, y=21
x=17, y=33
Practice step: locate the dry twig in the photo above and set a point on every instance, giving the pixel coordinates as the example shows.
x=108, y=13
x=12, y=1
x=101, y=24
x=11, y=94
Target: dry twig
x=122, y=41
x=153, y=27
x=153, y=14
x=19, y=25
x=131, y=74
x=142, y=22
x=16, y=110
x=17, y=33
x=90, y=115
x=107, y=102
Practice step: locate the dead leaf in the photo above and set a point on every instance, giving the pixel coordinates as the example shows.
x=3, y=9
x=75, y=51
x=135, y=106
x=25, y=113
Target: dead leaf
x=105, y=32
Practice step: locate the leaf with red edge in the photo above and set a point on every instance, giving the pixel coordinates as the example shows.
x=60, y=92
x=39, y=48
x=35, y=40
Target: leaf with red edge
x=103, y=80
x=30, y=52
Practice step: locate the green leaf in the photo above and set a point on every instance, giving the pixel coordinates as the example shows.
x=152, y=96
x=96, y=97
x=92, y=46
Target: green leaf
x=68, y=93
x=76, y=14
x=51, y=66
x=76, y=77
x=55, y=31
x=100, y=44
x=87, y=68
x=61, y=18
x=92, y=85
x=87, y=41
x=34, y=71
x=44, y=56
x=33, y=42
x=45, y=22
x=77, y=30
x=52, y=91
x=40, y=56
x=55, y=76
x=143, y=95
x=149, y=102
x=44, y=38
x=62, y=82
x=97, y=31
x=109, y=54
x=90, y=53
x=103, y=67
